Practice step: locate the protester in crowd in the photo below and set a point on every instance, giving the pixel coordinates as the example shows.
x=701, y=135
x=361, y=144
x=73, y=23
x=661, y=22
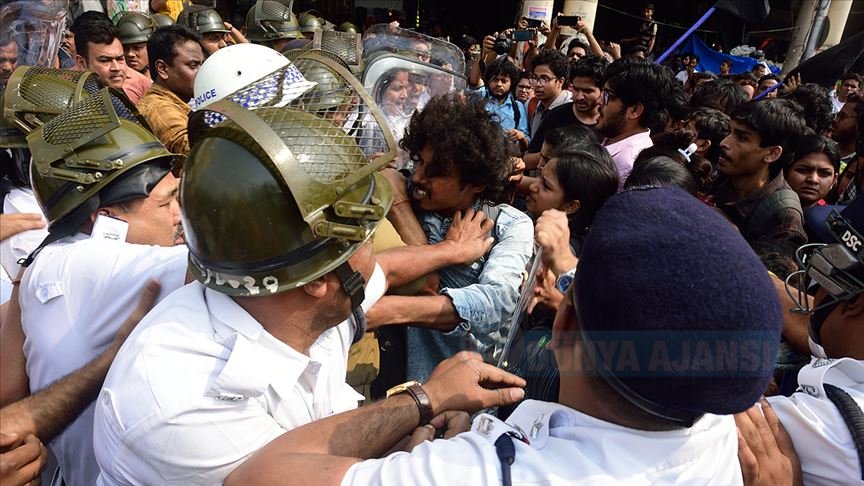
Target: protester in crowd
x=98, y=48
x=725, y=67
x=747, y=82
x=711, y=127
x=813, y=172
x=850, y=83
x=460, y=163
x=765, y=83
x=8, y=58
x=576, y=49
x=631, y=106
x=677, y=106
x=680, y=146
x=134, y=29
x=690, y=62
x=760, y=69
x=720, y=94
x=550, y=72
x=585, y=84
x=753, y=193
x=846, y=127
x=257, y=357
x=93, y=277
x=524, y=89
x=498, y=81
x=611, y=424
x=658, y=169
x=817, y=106
x=175, y=57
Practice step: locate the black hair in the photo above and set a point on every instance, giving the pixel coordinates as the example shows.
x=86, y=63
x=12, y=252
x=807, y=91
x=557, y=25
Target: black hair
x=524, y=75
x=502, y=67
x=591, y=66
x=778, y=121
x=162, y=45
x=817, y=144
x=558, y=63
x=667, y=145
x=746, y=78
x=818, y=109
x=726, y=61
x=464, y=137
x=586, y=173
x=6, y=38
x=576, y=42
x=777, y=256
x=678, y=104
x=660, y=171
x=721, y=94
x=638, y=81
x=713, y=125
x=563, y=138
x=851, y=75
x=768, y=77
x=97, y=29
x=694, y=56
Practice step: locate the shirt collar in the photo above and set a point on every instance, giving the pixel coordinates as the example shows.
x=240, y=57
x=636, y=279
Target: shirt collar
x=727, y=196
x=160, y=90
x=638, y=138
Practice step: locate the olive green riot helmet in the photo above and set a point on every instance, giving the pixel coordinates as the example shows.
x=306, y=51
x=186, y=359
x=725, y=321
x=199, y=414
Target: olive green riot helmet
x=89, y=157
x=135, y=27
x=297, y=189
x=35, y=95
x=347, y=27
x=310, y=22
x=162, y=20
x=10, y=137
x=269, y=20
x=202, y=20
x=296, y=198
x=331, y=90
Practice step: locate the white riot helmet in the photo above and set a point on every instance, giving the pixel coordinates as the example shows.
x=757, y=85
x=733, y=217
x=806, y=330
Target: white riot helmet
x=232, y=68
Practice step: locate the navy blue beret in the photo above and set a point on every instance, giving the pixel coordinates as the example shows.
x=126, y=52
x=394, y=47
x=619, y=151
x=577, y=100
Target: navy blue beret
x=676, y=305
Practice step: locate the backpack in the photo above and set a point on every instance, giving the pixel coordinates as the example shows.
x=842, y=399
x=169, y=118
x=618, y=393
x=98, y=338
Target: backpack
x=769, y=207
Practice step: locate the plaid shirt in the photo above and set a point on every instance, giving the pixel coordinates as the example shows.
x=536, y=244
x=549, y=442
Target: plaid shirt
x=168, y=117
x=784, y=226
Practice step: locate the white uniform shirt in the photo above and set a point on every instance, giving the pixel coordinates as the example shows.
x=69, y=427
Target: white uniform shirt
x=74, y=298
x=200, y=385
x=20, y=200
x=566, y=447
x=821, y=437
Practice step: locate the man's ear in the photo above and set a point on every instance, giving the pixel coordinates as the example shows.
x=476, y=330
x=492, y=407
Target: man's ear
x=161, y=68
x=80, y=62
x=100, y=212
x=317, y=288
x=774, y=153
x=635, y=111
x=702, y=146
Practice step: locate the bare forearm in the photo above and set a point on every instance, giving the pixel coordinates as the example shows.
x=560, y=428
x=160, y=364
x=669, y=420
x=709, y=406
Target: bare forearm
x=593, y=44
x=408, y=263
x=406, y=224
x=525, y=184
x=531, y=160
x=14, y=383
x=431, y=312
x=317, y=470
x=48, y=412
x=238, y=36
x=476, y=73
x=551, y=40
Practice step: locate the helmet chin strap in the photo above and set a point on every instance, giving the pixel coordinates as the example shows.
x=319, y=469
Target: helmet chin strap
x=354, y=285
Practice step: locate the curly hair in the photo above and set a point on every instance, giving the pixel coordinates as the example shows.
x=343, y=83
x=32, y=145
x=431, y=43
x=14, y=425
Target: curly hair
x=818, y=109
x=465, y=139
x=502, y=67
x=667, y=145
x=637, y=81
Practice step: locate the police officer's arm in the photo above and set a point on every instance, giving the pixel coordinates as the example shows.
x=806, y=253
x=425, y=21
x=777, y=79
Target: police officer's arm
x=458, y=383
x=48, y=412
x=14, y=383
x=467, y=240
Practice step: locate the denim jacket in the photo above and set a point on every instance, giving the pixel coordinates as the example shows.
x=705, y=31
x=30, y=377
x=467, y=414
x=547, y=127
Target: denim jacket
x=484, y=293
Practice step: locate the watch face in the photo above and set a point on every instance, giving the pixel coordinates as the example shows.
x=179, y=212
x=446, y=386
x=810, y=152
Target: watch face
x=563, y=282
x=401, y=388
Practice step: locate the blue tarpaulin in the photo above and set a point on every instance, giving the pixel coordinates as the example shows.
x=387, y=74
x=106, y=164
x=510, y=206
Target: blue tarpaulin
x=709, y=59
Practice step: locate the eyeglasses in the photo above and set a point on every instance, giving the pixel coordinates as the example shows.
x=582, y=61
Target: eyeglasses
x=524, y=87
x=543, y=79
x=606, y=94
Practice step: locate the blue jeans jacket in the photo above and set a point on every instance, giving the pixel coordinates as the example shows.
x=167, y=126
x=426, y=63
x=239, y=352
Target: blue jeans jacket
x=484, y=293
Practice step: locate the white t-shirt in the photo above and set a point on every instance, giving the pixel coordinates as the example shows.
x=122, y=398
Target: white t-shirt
x=200, y=385
x=822, y=439
x=74, y=298
x=566, y=447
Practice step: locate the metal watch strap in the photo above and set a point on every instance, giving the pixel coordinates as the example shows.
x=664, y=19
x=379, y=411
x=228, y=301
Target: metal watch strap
x=424, y=406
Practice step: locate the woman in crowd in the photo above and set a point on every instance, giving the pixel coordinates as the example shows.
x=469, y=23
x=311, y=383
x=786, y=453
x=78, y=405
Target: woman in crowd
x=813, y=173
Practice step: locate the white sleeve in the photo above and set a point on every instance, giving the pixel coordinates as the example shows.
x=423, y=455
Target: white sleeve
x=463, y=460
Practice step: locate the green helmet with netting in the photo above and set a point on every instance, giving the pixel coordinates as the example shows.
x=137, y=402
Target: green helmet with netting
x=92, y=156
x=202, y=20
x=297, y=189
x=347, y=27
x=310, y=22
x=331, y=90
x=35, y=95
x=162, y=20
x=135, y=27
x=269, y=20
